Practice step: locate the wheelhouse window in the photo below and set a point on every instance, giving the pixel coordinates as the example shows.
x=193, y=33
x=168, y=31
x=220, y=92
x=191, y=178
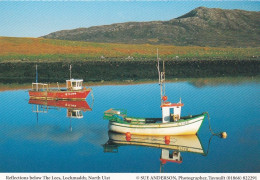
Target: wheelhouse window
x=75, y=84
x=79, y=84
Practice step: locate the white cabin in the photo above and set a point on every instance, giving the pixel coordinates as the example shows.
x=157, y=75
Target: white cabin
x=74, y=84
x=170, y=156
x=40, y=87
x=171, y=111
x=74, y=113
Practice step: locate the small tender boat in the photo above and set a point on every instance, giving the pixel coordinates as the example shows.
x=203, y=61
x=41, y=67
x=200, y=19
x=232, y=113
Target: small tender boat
x=73, y=91
x=171, y=122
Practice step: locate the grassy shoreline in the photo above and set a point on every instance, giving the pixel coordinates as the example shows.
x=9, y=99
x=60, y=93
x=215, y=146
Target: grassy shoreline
x=98, y=71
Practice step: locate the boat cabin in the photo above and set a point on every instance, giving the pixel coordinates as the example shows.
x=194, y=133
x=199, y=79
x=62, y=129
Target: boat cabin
x=73, y=113
x=170, y=156
x=74, y=84
x=171, y=111
x=40, y=87
x=110, y=148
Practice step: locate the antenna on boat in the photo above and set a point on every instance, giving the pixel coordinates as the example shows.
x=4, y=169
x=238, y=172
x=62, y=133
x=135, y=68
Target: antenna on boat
x=161, y=78
x=158, y=67
x=36, y=74
x=36, y=80
x=70, y=71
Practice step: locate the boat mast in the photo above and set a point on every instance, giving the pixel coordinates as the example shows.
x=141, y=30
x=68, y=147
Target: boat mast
x=163, y=80
x=158, y=67
x=36, y=81
x=36, y=74
x=70, y=71
x=161, y=77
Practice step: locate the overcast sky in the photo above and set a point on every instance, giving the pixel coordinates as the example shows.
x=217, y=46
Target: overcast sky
x=38, y=18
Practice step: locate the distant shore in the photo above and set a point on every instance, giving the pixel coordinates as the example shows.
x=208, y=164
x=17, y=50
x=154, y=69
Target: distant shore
x=197, y=82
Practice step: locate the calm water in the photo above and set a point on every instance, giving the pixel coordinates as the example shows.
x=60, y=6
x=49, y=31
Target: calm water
x=53, y=142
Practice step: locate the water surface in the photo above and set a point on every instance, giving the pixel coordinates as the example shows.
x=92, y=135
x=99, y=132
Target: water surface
x=51, y=141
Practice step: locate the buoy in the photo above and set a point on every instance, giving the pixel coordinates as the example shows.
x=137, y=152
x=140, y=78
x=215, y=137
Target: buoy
x=167, y=140
x=128, y=136
x=224, y=135
x=164, y=98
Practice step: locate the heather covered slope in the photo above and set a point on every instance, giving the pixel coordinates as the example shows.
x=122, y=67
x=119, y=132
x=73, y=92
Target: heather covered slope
x=200, y=27
x=48, y=50
x=98, y=62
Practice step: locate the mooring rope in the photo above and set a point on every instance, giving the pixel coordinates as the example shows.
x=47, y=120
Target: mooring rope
x=220, y=134
x=205, y=154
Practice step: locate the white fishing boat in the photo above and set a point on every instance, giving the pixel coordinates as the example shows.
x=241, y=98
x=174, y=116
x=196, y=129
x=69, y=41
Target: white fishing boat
x=119, y=122
x=171, y=122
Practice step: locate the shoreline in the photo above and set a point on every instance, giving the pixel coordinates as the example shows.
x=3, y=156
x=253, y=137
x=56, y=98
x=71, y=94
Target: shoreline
x=198, y=82
x=120, y=71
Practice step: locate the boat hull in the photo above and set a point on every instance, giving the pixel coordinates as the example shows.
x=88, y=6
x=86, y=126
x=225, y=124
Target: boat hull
x=182, y=127
x=72, y=95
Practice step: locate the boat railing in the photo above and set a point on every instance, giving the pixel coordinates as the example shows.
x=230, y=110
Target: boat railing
x=37, y=108
x=40, y=86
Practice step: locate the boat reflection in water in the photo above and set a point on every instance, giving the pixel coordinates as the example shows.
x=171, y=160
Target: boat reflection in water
x=74, y=108
x=49, y=128
x=171, y=146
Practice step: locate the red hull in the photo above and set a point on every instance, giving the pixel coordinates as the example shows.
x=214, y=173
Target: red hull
x=79, y=105
x=74, y=95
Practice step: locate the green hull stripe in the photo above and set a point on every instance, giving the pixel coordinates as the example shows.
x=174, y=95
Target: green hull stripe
x=111, y=123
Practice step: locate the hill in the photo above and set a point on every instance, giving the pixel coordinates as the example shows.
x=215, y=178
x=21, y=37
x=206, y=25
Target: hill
x=200, y=27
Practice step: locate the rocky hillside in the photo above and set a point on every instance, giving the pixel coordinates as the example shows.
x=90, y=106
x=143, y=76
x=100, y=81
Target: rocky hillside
x=201, y=27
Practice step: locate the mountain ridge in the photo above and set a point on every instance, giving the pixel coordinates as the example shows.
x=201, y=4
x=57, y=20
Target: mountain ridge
x=200, y=27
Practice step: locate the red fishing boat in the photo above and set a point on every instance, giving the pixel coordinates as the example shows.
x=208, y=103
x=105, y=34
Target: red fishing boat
x=73, y=91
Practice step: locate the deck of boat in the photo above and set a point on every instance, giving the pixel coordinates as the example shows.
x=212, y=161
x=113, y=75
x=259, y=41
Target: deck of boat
x=155, y=120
